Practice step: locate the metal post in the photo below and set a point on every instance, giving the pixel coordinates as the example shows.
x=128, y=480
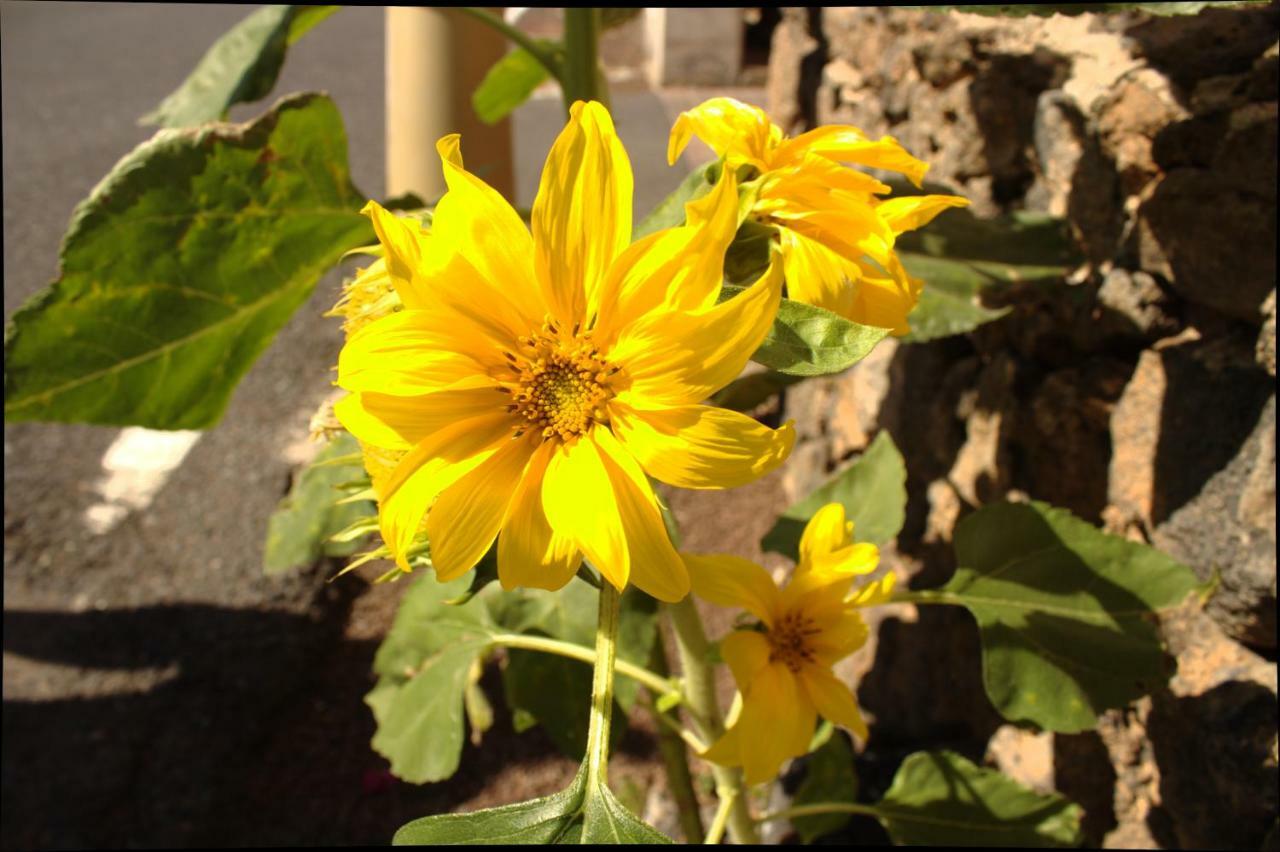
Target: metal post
x=435, y=60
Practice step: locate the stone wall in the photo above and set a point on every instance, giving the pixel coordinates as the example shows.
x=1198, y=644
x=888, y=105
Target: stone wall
x=1140, y=393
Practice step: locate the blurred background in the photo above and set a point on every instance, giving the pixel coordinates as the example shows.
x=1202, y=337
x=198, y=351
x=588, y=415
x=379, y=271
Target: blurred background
x=160, y=690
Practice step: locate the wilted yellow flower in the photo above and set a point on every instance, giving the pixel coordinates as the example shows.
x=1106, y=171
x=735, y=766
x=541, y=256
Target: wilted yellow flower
x=837, y=237
x=533, y=379
x=783, y=669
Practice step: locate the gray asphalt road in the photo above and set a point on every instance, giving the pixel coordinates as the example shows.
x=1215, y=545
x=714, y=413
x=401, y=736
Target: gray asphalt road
x=147, y=667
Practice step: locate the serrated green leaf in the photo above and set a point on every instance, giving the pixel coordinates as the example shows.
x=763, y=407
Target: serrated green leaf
x=181, y=266
x=509, y=83
x=872, y=490
x=670, y=211
x=239, y=67
x=806, y=340
x=1045, y=10
x=541, y=821
x=940, y=799
x=1065, y=612
x=606, y=820
x=310, y=515
x=424, y=667
x=575, y=815
x=829, y=777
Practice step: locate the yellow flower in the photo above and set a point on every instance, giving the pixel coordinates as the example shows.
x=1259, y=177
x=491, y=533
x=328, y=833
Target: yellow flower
x=533, y=379
x=783, y=670
x=836, y=236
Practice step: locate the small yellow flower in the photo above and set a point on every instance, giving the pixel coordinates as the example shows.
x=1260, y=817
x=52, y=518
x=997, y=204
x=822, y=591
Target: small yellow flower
x=783, y=670
x=837, y=237
x=531, y=380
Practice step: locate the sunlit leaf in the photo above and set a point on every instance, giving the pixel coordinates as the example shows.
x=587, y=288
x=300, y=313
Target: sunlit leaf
x=304, y=521
x=509, y=83
x=872, y=490
x=240, y=67
x=181, y=266
x=424, y=667
x=941, y=799
x=1066, y=612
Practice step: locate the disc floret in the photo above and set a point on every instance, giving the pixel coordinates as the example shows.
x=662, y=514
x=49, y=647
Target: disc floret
x=562, y=383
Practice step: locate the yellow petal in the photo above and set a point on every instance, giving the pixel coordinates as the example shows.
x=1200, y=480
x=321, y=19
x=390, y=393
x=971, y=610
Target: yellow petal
x=834, y=700
x=818, y=276
x=850, y=560
x=776, y=723
x=850, y=230
x=841, y=631
x=581, y=216
x=427, y=469
x=850, y=145
x=675, y=269
x=399, y=422
x=699, y=446
x=468, y=514
x=826, y=531
x=873, y=593
x=730, y=127
x=916, y=211
x=580, y=504
x=885, y=301
x=473, y=220
x=732, y=581
x=656, y=568
x=405, y=354
x=746, y=652
x=402, y=241
x=530, y=552
x=726, y=751
x=683, y=358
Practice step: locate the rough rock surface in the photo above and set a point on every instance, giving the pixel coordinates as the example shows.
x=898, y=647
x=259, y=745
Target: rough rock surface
x=1139, y=392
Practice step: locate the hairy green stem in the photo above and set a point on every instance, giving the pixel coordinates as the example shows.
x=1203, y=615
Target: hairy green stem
x=581, y=80
x=537, y=51
x=674, y=756
x=597, y=758
x=722, y=818
x=700, y=694
x=921, y=596
x=660, y=685
x=820, y=808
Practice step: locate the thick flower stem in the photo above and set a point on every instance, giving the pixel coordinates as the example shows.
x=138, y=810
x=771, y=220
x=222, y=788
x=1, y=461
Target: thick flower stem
x=581, y=79
x=597, y=758
x=700, y=694
x=675, y=758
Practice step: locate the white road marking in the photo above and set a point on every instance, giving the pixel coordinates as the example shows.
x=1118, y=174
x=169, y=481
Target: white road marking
x=136, y=466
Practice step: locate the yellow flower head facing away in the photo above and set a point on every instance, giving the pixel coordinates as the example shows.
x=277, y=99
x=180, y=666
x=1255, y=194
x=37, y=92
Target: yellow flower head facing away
x=783, y=669
x=836, y=235
x=535, y=377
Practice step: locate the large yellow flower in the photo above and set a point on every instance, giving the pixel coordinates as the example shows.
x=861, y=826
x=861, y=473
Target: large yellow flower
x=531, y=380
x=783, y=670
x=837, y=237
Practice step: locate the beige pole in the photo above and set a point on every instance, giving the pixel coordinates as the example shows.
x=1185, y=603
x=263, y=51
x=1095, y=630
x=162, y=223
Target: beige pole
x=435, y=60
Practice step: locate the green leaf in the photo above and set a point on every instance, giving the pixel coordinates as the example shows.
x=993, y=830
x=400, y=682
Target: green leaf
x=181, y=266
x=556, y=690
x=605, y=820
x=670, y=212
x=829, y=777
x=1046, y=10
x=1065, y=611
x=806, y=340
x=872, y=490
x=240, y=67
x=542, y=821
x=424, y=669
x=949, y=301
x=509, y=83
x=304, y=520
x=938, y=798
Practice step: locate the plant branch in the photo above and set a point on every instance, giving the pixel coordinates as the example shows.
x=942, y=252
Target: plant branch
x=657, y=683
x=523, y=41
x=700, y=692
x=671, y=743
x=597, y=758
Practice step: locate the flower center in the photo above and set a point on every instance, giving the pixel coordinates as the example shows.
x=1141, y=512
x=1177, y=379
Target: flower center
x=789, y=641
x=560, y=384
